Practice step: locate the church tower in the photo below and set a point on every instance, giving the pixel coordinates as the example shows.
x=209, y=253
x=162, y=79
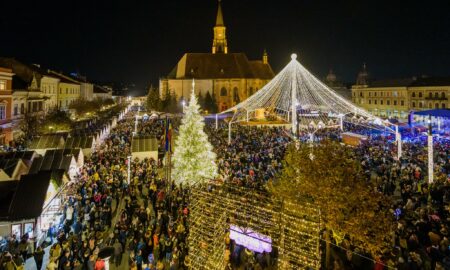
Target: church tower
x=220, y=40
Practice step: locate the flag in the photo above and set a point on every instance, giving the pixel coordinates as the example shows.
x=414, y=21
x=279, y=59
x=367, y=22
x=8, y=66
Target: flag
x=168, y=136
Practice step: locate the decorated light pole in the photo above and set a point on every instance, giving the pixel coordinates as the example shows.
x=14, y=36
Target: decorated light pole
x=129, y=170
x=430, y=152
x=398, y=138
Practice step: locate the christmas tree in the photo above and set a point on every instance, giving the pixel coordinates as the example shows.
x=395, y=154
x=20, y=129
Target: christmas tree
x=193, y=159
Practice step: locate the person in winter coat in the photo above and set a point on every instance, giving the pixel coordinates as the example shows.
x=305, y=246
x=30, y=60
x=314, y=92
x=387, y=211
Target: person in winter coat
x=38, y=257
x=117, y=252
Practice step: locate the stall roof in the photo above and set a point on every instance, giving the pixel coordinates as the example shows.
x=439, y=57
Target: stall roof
x=79, y=142
x=144, y=144
x=30, y=196
x=7, y=191
x=47, y=142
x=53, y=160
x=26, y=155
x=9, y=165
x=436, y=113
x=24, y=199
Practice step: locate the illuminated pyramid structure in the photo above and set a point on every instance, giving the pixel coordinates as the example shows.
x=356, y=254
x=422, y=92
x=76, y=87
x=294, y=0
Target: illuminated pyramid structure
x=296, y=94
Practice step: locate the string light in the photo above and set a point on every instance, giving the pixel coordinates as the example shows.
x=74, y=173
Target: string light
x=294, y=229
x=318, y=106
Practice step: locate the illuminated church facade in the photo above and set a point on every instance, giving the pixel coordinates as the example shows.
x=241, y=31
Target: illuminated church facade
x=229, y=77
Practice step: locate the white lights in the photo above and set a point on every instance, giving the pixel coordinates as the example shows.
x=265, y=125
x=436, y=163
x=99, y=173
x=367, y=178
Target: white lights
x=295, y=90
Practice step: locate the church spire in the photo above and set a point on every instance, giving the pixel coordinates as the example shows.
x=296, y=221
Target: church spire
x=219, y=41
x=219, y=19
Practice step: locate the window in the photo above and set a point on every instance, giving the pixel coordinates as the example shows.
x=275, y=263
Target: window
x=436, y=105
x=250, y=91
x=16, y=109
x=236, y=95
x=420, y=104
x=2, y=112
x=420, y=94
x=395, y=94
x=395, y=102
x=430, y=95
x=443, y=106
x=443, y=95
x=2, y=85
x=360, y=94
x=388, y=102
x=370, y=94
x=381, y=102
x=413, y=104
x=436, y=95
x=413, y=94
x=375, y=94
x=375, y=102
x=370, y=101
x=402, y=103
x=22, y=108
x=223, y=92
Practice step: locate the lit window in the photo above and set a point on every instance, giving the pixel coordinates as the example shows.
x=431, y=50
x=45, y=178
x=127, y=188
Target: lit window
x=2, y=85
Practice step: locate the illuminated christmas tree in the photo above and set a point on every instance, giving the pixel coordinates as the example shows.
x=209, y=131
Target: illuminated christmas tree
x=193, y=159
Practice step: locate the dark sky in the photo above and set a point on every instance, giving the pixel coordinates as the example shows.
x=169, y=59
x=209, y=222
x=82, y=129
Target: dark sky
x=139, y=41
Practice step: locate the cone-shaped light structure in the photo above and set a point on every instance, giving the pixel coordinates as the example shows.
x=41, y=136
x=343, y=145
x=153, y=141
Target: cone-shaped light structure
x=296, y=94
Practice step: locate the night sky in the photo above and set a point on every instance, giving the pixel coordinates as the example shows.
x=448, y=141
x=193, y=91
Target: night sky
x=140, y=41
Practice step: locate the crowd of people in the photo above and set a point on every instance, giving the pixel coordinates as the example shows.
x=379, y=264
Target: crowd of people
x=144, y=224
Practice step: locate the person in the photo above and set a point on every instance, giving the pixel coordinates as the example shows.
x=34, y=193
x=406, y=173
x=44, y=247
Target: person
x=99, y=264
x=38, y=257
x=52, y=265
x=117, y=252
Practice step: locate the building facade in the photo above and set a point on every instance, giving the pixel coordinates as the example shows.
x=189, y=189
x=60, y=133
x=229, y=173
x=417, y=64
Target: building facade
x=49, y=88
x=398, y=97
x=6, y=134
x=229, y=77
x=68, y=90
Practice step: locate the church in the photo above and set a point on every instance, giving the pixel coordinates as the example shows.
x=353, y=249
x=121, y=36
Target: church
x=229, y=77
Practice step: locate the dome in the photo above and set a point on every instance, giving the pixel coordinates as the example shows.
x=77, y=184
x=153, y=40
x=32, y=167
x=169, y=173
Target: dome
x=331, y=77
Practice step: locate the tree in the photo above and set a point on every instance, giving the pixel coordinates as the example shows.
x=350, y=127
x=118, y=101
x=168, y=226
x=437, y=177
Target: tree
x=201, y=101
x=154, y=101
x=193, y=159
x=29, y=125
x=210, y=103
x=330, y=176
x=56, y=121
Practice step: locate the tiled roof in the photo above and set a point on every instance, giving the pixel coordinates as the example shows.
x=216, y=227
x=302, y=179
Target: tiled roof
x=219, y=65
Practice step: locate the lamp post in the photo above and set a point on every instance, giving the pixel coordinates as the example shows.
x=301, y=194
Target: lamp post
x=136, y=124
x=430, y=152
x=129, y=170
x=398, y=138
x=217, y=121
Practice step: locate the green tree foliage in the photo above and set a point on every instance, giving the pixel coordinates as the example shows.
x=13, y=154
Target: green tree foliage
x=154, y=101
x=56, y=121
x=29, y=125
x=330, y=176
x=210, y=103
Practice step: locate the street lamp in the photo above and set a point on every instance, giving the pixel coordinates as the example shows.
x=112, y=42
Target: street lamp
x=430, y=152
x=183, y=103
x=129, y=170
